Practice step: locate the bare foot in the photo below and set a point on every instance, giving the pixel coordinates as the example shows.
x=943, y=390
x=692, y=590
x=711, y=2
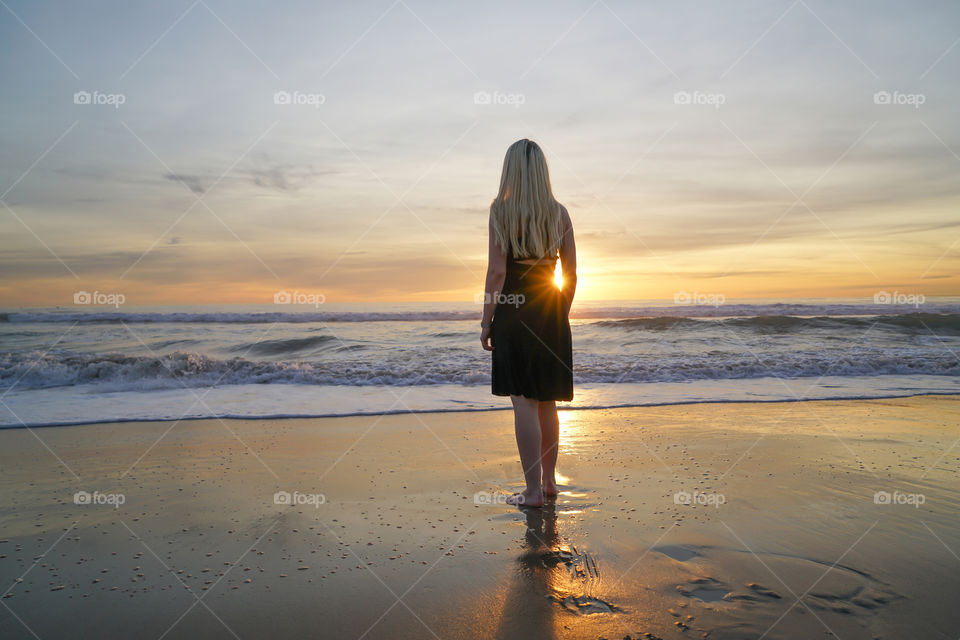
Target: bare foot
x=549, y=487
x=526, y=499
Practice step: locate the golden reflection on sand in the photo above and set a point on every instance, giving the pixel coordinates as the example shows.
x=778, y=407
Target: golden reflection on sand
x=528, y=608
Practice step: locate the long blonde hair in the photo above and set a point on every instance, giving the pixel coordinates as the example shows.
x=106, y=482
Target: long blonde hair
x=525, y=215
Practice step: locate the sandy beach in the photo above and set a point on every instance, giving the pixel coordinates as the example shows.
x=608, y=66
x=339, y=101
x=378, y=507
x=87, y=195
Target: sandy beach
x=774, y=520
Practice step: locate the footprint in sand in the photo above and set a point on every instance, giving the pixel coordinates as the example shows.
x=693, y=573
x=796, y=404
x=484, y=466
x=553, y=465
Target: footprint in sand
x=585, y=605
x=824, y=586
x=583, y=576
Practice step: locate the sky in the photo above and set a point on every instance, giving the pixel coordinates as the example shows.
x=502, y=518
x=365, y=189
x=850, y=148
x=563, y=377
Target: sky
x=205, y=151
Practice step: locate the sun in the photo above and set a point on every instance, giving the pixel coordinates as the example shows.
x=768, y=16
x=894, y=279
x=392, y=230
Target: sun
x=558, y=275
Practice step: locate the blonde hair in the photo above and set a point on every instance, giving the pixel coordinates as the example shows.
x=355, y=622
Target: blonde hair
x=525, y=215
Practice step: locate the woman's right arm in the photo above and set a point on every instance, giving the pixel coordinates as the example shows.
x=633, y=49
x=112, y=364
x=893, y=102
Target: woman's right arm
x=568, y=259
x=496, y=274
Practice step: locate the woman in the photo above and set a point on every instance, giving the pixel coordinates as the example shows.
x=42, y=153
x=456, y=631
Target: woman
x=525, y=314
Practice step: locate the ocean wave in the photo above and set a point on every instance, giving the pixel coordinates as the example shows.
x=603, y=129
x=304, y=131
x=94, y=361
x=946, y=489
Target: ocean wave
x=118, y=372
x=290, y=345
x=760, y=313
x=916, y=322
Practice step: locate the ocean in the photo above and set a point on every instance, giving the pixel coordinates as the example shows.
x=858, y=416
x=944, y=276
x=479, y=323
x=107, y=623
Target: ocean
x=98, y=364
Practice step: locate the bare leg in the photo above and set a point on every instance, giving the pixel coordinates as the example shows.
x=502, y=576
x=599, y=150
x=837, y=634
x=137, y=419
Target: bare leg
x=549, y=445
x=527, y=426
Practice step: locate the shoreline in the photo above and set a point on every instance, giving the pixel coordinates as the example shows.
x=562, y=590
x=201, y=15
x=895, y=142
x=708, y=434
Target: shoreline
x=374, y=414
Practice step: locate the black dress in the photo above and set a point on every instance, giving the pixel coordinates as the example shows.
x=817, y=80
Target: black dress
x=532, y=345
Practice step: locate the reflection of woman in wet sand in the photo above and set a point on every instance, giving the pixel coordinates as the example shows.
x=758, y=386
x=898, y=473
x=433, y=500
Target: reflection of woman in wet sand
x=525, y=315
x=528, y=612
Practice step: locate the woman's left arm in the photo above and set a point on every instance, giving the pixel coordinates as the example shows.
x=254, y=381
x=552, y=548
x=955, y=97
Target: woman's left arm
x=496, y=274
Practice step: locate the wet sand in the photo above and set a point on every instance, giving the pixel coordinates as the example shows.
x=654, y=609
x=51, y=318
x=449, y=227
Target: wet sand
x=718, y=521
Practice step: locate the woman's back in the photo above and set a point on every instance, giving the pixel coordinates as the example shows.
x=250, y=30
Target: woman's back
x=525, y=319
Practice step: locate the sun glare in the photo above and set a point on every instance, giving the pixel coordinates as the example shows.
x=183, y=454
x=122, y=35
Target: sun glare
x=558, y=275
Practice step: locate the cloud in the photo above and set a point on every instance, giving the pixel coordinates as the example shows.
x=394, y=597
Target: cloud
x=283, y=177
x=193, y=182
